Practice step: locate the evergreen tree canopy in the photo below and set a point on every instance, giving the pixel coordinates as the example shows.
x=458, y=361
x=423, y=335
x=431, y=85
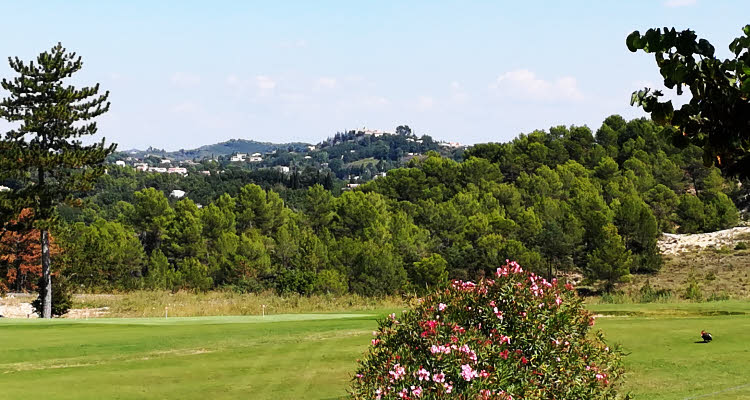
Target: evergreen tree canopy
x=44, y=153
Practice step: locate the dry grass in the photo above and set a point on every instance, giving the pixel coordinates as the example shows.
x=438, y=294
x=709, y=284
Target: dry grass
x=189, y=304
x=718, y=272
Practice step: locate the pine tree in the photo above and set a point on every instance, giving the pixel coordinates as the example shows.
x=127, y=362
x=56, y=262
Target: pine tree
x=44, y=151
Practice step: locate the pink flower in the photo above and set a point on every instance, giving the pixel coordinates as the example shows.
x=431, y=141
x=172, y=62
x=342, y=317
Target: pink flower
x=504, y=339
x=404, y=393
x=600, y=376
x=498, y=314
x=397, y=373
x=440, y=349
x=378, y=393
x=375, y=342
x=504, y=354
x=484, y=374
x=467, y=372
x=466, y=350
x=442, y=306
x=558, y=300
x=448, y=387
x=423, y=374
x=439, y=377
x=417, y=392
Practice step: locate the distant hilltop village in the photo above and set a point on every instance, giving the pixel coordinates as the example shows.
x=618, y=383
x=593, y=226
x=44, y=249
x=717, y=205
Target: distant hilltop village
x=353, y=157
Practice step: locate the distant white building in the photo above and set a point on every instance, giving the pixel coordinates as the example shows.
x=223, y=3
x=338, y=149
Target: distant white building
x=160, y=170
x=307, y=157
x=255, y=159
x=351, y=186
x=120, y=163
x=374, y=132
x=311, y=148
x=239, y=157
x=256, y=155
x=4, y=189
x=166, y=161
x=282, y=168
x=178, y=194
x=206, y=172
x=454, y=145
x=177, y=170
x=141, y=166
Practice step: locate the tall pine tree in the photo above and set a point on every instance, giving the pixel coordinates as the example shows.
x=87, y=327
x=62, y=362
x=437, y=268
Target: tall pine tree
x=44, y=151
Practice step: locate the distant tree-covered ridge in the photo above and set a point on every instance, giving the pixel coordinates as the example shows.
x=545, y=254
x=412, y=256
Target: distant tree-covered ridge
x=558, y=201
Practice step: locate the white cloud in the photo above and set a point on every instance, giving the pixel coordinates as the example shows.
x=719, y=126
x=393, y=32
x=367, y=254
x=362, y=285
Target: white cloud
x=326, y=83
x=525, y=83
x=262, y=83
x=265, y=82
x=680, y=3
x=425, y=103
x=375, y=101
x=455, y=85
x=184, y=79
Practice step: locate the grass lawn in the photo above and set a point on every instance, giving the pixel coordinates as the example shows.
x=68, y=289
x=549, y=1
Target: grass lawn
x=664, y=360
x=311, y=356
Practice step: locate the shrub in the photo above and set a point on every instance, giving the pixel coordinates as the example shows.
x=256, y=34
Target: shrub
x=693, y=290
x=515, y=336
x=741, y=246
x=720, y=296
x=651, y=295
x=62, y=299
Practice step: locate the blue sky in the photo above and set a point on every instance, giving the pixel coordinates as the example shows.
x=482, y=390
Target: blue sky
x=187, y=73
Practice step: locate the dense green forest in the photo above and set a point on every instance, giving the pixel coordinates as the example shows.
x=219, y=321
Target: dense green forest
x=559, y=201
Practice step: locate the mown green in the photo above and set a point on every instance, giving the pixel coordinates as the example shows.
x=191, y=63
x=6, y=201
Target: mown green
x=312, y=356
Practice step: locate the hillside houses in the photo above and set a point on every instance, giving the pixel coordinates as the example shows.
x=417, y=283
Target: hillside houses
x=239, y=157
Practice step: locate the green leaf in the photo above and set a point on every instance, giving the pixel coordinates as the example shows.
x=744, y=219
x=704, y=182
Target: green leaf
x=705, y=48
x=633, y=41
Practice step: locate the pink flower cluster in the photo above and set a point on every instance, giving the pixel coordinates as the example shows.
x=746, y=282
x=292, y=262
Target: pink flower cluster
x=469, y=352
x=435, y=349
x=397, y=372
x=468, y=373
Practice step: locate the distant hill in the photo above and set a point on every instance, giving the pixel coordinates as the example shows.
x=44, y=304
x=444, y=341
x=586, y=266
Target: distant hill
x=227, y=148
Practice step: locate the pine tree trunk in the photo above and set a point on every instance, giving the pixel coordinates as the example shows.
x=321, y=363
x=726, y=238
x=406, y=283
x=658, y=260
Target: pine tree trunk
x=47, y=305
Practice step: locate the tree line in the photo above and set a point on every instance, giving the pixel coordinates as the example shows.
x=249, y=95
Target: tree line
x=558, y=201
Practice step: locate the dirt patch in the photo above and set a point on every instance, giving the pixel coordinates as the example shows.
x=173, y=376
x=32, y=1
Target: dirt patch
x=17, y=306
x=670, y=243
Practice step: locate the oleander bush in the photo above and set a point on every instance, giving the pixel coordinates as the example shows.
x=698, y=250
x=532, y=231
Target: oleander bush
x=514, y=336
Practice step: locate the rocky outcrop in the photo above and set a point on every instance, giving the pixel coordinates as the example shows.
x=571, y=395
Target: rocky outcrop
x=670, y=243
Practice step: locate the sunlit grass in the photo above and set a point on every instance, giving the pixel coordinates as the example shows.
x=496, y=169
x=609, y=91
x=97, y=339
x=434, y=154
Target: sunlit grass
x=312, y=356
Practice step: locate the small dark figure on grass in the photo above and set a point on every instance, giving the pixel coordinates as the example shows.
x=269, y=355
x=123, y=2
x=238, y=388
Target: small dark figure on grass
x=706, y=337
